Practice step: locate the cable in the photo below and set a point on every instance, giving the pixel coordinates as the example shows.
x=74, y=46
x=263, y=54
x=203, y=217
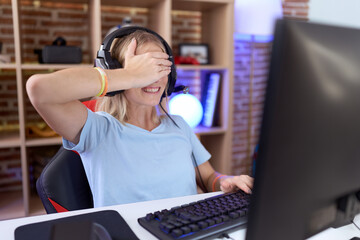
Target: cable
x=192, y=153
x=197, y=168
x=355, y=224
x=168, y=115
x=225, y=235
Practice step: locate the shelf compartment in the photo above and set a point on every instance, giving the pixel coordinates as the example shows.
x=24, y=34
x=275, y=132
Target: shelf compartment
x=214, y=16
x=149, y=14
x=195, y=78
x=9, y=139
x=68, y=19
x=7, y=35
x=9, y=114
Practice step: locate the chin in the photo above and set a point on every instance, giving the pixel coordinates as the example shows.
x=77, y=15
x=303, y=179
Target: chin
x=154, y=103
x=152, y=100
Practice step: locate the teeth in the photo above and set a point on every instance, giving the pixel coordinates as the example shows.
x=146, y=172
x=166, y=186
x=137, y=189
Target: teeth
x=152, y=90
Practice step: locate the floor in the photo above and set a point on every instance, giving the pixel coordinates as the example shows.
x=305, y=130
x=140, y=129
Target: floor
x=11, y=205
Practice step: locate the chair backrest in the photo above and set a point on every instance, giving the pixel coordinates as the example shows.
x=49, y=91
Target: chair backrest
x=62, y=185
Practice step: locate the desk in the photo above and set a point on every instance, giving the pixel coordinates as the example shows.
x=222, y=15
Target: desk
x=131, y=212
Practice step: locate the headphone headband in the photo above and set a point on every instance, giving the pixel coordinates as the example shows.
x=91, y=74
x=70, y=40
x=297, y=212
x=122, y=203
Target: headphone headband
x=124, y=31
x=105, y=61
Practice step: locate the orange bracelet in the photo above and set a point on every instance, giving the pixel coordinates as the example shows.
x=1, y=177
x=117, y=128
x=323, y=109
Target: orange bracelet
x=214, y=182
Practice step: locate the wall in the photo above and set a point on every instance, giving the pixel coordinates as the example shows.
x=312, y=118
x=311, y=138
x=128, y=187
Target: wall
x=296, y=9
x=246, y=128
x=344, y=14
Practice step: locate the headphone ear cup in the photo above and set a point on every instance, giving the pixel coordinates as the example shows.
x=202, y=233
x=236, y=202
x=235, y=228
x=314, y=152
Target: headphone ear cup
x=114, y=64
x=99, y=62
x=111, y=62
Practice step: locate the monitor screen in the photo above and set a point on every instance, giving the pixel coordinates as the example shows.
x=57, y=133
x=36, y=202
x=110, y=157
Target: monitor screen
x=307, y=175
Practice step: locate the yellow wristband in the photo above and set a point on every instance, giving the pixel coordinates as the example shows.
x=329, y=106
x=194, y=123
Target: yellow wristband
x=103, y=82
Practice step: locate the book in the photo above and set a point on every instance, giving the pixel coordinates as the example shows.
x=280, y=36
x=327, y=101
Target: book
x=210, y=97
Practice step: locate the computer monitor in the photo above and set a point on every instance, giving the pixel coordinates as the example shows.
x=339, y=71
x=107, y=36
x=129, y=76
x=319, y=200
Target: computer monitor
x=307, y=175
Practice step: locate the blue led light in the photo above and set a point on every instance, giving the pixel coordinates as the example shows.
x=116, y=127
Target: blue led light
x=188, y=107
x=191, y=233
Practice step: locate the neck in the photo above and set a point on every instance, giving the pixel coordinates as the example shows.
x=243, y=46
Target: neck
x=143, y=118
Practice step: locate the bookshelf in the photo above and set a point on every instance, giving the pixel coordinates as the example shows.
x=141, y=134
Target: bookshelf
x=216, y=31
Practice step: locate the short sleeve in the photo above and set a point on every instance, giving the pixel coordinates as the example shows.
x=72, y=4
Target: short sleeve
x=94, y=130
x=199, y=151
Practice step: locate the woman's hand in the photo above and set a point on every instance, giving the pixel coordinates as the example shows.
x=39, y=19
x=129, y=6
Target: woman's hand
x=145, y=68
x=232, y=183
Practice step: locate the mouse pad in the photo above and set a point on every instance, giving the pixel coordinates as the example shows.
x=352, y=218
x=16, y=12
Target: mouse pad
x=109, y=219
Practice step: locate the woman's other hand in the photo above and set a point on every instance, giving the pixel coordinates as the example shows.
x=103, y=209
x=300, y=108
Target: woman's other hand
x=232, y=183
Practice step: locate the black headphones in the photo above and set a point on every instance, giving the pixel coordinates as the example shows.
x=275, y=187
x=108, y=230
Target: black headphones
x=105, y=61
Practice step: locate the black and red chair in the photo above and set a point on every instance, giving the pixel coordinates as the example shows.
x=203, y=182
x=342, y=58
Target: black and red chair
x=63, y=185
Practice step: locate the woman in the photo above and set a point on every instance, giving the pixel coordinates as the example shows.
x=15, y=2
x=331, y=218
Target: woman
x=130, y=153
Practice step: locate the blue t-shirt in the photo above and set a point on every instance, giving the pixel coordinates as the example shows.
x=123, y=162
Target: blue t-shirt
x=126, y=164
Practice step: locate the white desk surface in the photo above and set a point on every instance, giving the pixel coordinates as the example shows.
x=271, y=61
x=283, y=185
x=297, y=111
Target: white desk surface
x=131, y=212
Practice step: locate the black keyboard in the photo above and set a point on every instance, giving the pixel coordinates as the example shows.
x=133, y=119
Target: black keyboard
x=199, y=220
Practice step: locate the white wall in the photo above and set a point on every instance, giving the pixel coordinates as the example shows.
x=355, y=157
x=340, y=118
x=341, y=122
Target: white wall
x=335, y=12
x=256, y=17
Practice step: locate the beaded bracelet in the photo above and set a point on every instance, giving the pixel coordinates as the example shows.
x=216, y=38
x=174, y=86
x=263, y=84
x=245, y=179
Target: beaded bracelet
x=104, y=82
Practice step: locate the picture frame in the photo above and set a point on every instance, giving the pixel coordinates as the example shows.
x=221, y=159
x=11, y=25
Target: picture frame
x=199, y=51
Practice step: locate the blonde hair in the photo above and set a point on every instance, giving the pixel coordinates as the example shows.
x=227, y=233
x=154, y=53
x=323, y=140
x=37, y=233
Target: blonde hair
x=117, y=105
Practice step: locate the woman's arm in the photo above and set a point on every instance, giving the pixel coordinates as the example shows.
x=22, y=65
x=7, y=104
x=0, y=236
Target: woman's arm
x=55, y=95
x=215, y=181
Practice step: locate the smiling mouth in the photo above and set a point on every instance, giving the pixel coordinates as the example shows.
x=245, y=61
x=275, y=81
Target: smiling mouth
x=151, y=90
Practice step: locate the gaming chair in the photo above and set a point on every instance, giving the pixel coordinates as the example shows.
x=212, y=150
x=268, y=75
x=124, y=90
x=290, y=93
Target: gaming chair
x=62, y=185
